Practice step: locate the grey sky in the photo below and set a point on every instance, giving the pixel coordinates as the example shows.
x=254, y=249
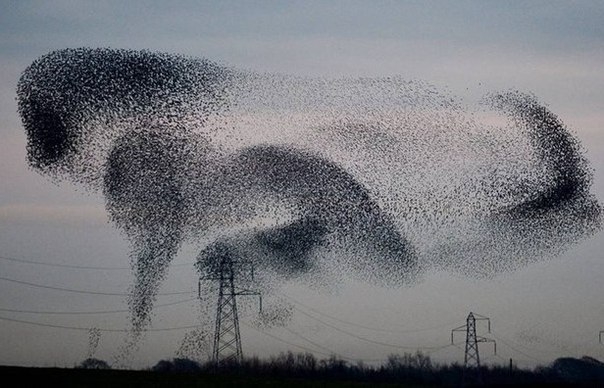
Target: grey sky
x=554, y=49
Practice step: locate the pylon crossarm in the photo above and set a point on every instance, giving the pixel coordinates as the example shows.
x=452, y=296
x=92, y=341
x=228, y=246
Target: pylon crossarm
x=479, y=317
x=457, y=329
x=483, y=339
x=247, y=293
x=251, y=293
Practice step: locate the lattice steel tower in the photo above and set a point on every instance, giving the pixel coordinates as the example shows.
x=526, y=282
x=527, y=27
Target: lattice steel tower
x=472, y=356
x=227, y=337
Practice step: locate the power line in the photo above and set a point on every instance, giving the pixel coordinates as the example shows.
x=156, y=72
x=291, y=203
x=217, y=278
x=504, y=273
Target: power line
x=331, y=353
x=431, y=352
x=88, y=328
x=363, y=326
x=534, y=349
x=284, y=341
x=75, y=266
x=36, y=285
x=311, y=342
x=516, y=349
x=72, y=266
x=52, y=312
x=363, y=338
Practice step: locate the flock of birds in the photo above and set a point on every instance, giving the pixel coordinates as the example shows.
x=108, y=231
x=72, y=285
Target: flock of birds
x=312, y=179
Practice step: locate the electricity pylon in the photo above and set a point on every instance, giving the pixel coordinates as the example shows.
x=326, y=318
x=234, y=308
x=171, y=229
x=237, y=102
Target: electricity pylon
x=471, y=355
x=600, y=335
x=227, y=337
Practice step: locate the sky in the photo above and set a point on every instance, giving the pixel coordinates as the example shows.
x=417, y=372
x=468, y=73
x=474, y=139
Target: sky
x=549, y=309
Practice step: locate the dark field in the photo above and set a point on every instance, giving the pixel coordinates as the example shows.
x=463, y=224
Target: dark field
x=60, y=377
x=564, y=372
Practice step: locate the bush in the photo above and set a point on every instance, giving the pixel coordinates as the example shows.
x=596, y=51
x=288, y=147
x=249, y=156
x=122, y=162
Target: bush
x=177, y=365
x=93, y=363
